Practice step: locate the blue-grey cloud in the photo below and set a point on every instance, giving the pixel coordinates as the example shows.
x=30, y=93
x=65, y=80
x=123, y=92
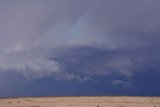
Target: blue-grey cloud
x=78, y=39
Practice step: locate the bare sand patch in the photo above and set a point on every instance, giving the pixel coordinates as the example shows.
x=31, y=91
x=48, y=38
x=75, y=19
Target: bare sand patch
x=81, y=102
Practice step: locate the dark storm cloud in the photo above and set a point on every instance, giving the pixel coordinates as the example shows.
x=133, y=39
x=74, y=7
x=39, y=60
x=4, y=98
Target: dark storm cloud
x=78, y=39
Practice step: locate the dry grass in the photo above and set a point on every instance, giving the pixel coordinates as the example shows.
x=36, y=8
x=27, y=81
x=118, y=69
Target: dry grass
x=82, y=102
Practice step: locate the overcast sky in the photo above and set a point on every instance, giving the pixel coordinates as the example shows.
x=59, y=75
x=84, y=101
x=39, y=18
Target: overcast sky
x=79, y=47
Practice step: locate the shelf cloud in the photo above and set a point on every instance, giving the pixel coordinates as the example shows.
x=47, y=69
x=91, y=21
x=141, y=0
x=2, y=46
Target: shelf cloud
x=79, y=39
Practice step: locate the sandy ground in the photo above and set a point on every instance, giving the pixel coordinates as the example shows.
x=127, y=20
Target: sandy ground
x=81, y=102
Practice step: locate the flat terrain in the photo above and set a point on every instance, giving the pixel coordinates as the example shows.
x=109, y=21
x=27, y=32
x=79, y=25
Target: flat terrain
x=81, y=102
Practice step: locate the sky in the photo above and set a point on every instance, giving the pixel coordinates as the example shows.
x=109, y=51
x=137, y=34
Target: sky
x=79, y=47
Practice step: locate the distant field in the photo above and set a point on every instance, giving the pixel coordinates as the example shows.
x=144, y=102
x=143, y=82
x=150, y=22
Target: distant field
x=81, y=102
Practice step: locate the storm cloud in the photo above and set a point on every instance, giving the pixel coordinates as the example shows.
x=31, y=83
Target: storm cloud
x=79, y=39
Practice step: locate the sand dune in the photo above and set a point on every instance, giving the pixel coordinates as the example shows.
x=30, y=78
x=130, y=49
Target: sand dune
x=81, y=102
